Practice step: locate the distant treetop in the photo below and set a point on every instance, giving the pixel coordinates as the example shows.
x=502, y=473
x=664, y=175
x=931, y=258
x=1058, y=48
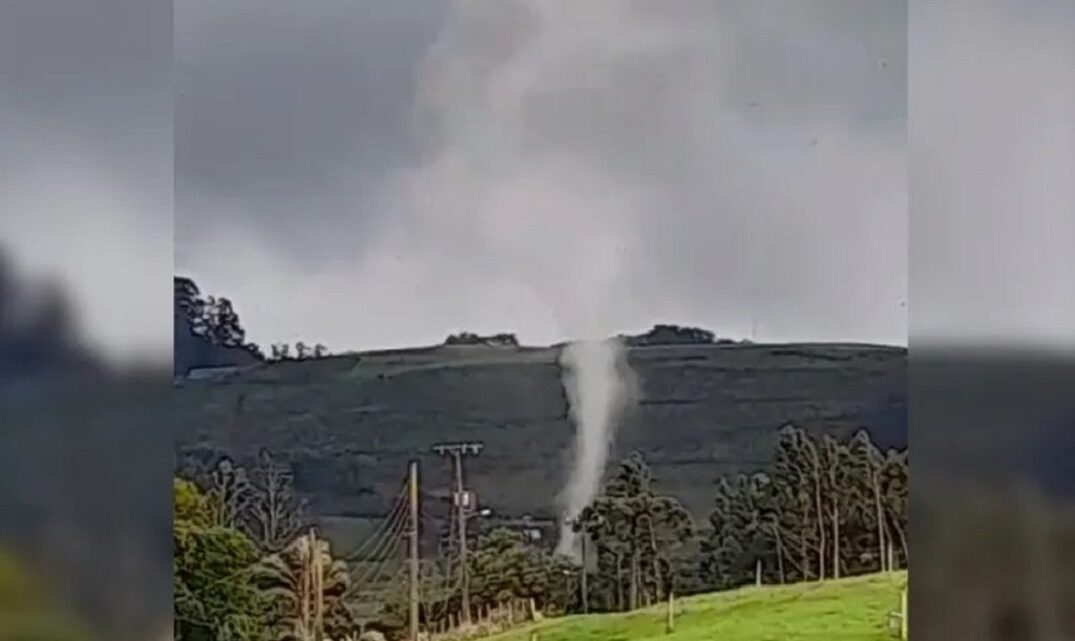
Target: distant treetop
x=470, y=338
x=208, y=332
x=673, y=334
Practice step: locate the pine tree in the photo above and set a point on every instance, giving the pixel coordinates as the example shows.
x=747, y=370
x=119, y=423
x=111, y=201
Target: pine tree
x=829, y=508
x=631, y=524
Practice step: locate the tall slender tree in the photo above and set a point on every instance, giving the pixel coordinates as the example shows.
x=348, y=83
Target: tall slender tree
x=827, y=509
x=306, y=587
x=230, y=493
x=274, y=512
x=631, y=523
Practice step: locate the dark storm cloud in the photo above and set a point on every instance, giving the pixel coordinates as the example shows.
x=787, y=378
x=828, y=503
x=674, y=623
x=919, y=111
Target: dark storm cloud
x=546, y=167
x=297, y=111
x=85, y=167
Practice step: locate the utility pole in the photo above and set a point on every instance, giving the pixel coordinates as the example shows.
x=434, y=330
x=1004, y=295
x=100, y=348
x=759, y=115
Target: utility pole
x=903, y=614
x=457, y=451
x=317, y=575
x=306, y=588
x=413, y=560
x=585, y=587
x=670, y=615
x=670, y=588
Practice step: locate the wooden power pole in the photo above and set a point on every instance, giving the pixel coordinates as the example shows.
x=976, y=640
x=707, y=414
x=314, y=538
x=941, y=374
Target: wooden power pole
x=903, y=614
x=585, y=586
x=306, y=588
x=317, y=577
x=457, y=451
x=670, y=615
x=413, y=552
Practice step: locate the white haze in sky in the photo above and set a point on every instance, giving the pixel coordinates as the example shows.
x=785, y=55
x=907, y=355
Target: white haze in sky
x=541, y=223
x=556, y=169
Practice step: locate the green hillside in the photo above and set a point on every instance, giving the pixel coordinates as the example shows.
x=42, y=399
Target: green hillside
x=853, y=609
x=348, y=425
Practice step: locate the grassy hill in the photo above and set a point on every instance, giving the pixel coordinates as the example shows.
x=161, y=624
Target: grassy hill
x=348, y=424
x=854, y=609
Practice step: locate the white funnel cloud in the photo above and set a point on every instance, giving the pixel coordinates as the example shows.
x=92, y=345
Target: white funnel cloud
x=598, y=383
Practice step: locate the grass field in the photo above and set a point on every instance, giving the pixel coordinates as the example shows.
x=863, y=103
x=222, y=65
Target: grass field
x=853, y=609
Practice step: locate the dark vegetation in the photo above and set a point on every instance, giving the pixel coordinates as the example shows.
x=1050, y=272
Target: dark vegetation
x=233, y=582
x=676, y=335
x=242, y=568
x=637, y=533
x=207, y=331
x=303, y=352
x=38, y=336
x=469, y=338
x=824, y=508
x=208, y=334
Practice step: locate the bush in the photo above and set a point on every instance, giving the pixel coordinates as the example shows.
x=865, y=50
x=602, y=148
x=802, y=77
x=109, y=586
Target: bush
x=470, y=338
x=673, y=335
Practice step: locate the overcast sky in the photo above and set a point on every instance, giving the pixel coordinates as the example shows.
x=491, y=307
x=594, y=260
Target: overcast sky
x=992, y=257
x=383, y=173
x=86, y=160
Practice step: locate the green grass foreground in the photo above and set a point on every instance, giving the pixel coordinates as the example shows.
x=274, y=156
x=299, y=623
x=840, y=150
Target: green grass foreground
x=854, y=609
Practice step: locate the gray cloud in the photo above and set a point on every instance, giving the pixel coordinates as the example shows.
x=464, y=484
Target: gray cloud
x=548, y=168
x=86, y=164
x=732, y=162
x=993, y=155
x=297, y=112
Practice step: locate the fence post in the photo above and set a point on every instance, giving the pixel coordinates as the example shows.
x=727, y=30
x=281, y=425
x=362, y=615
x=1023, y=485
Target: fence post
x=903, y=614
x=670, y=622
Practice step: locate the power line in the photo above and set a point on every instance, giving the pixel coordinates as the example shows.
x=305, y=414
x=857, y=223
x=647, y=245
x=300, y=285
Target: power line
x=447, y=596
x=372, y=575
x=379, y=554
x=401, y=501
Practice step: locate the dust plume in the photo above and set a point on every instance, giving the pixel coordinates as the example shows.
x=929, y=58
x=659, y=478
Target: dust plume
x=599, y=385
